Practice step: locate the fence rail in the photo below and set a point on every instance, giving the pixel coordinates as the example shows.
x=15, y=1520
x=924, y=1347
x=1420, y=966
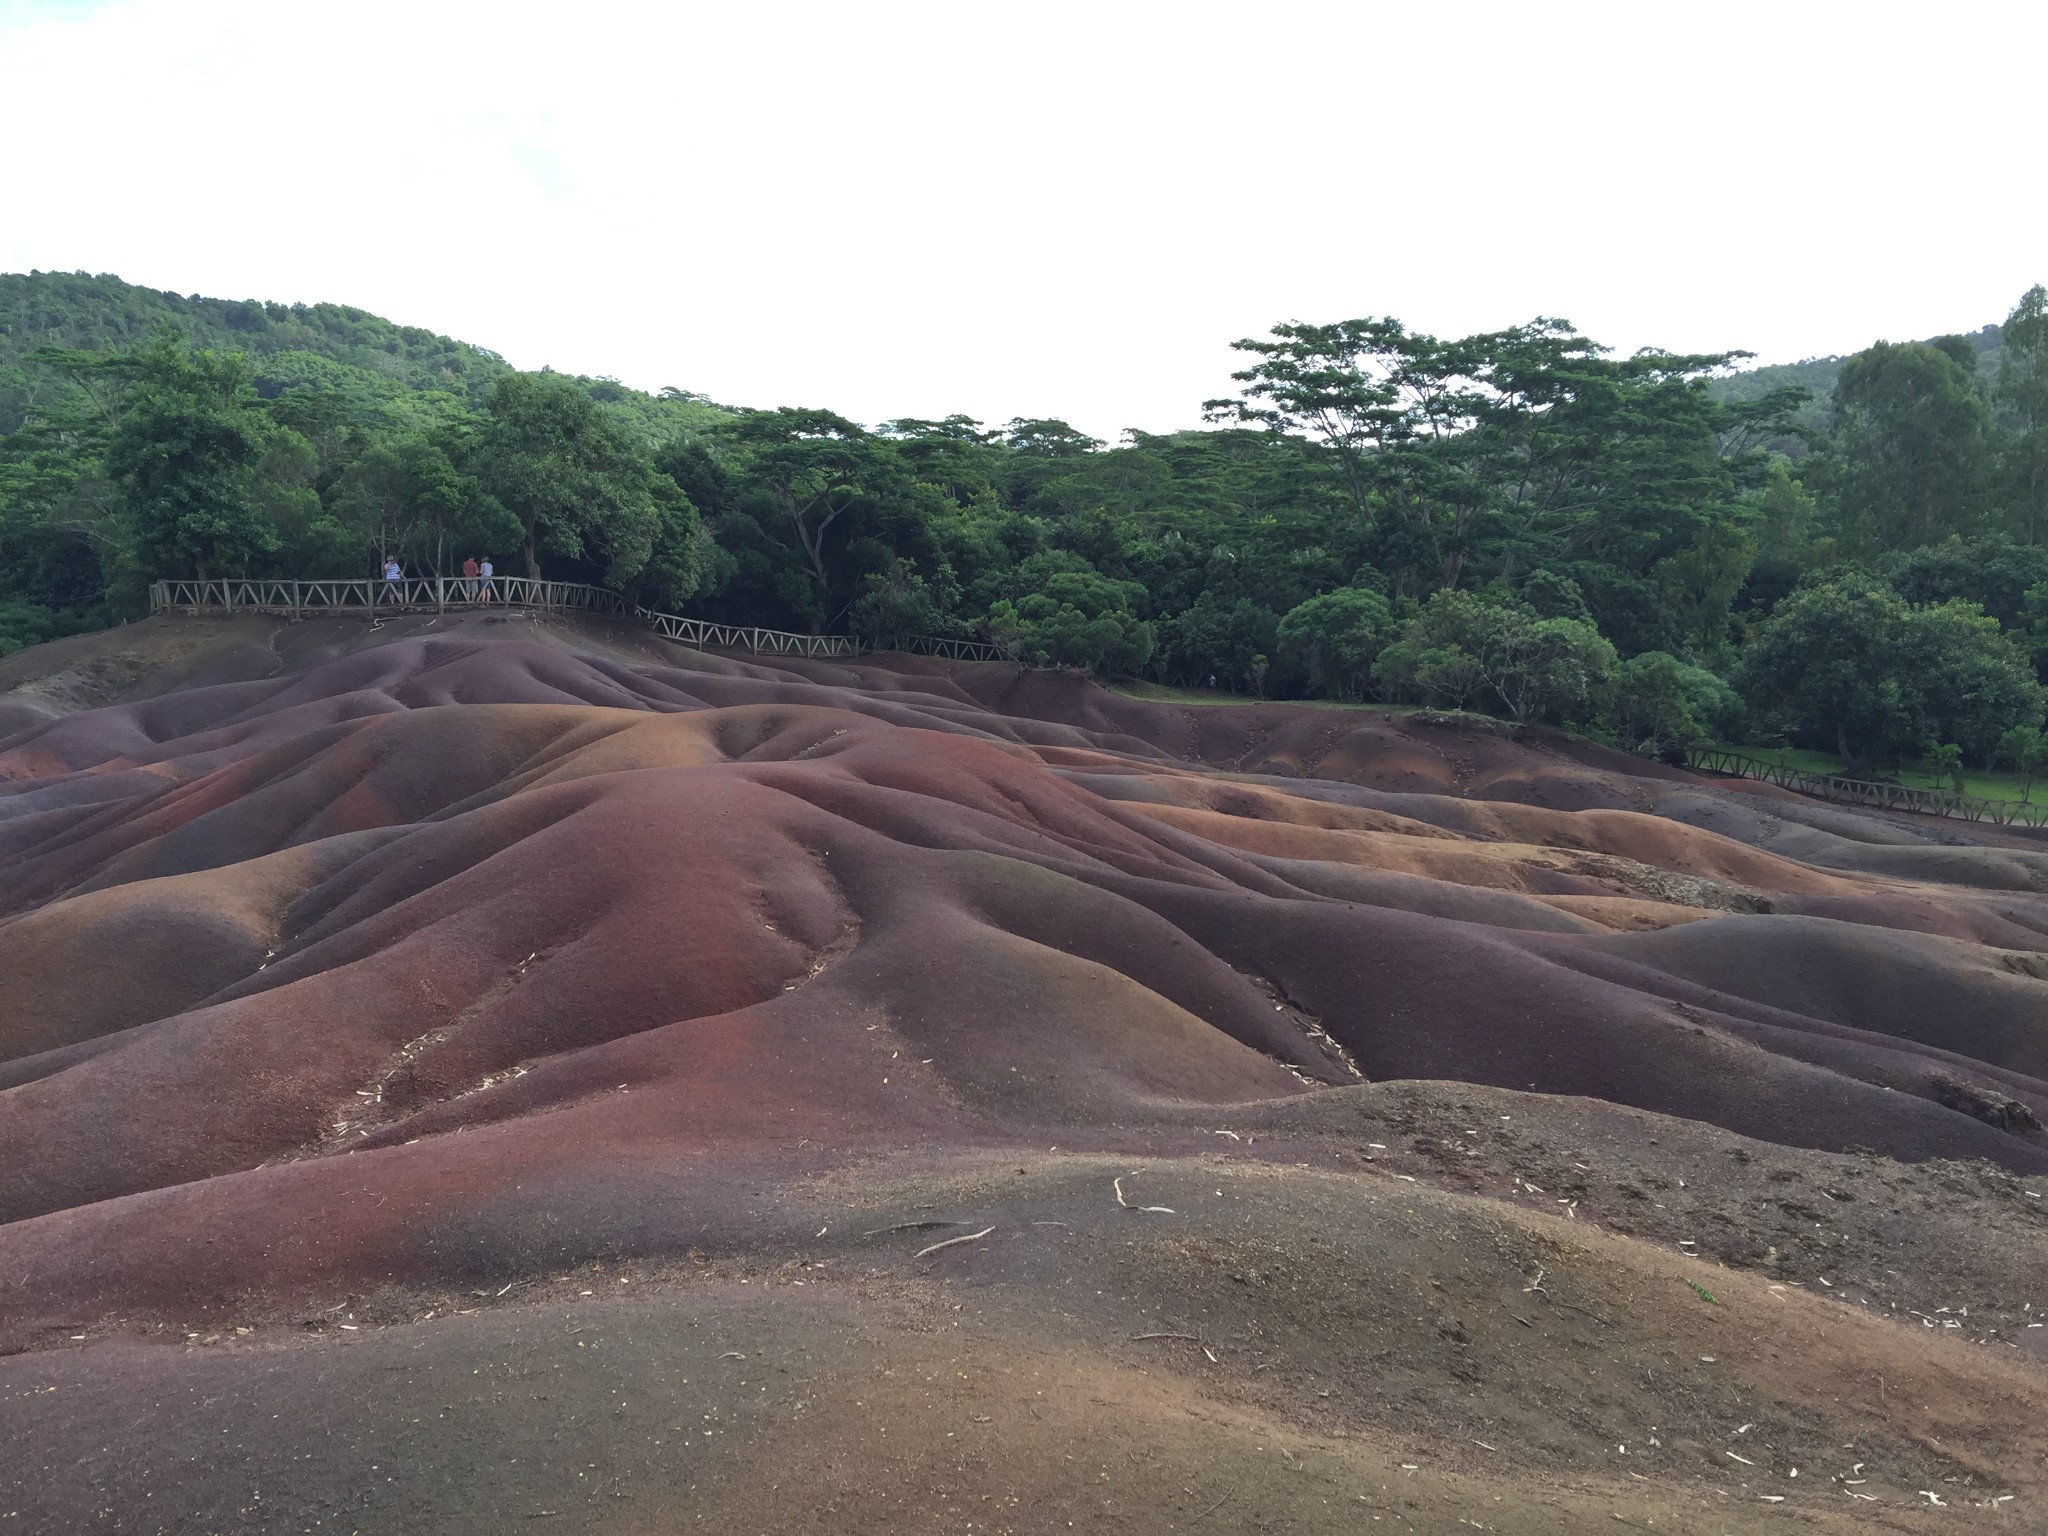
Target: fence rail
x=728, y=637
x=945, y=645
x=443, y=594
x=1870, y=792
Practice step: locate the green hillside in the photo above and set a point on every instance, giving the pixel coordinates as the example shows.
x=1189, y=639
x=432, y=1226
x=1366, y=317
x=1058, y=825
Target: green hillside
x=1818, y=376
x=73, y=310
x=336, y=349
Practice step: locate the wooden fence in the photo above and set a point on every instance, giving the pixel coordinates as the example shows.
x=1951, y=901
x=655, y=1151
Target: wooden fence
x=409, y=594
x=446, y=594
x=1870, y=792
x=728, y=637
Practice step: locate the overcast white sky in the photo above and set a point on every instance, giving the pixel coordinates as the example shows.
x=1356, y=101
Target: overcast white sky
x=1035, y=209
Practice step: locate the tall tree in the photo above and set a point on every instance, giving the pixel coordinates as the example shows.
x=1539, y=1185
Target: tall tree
x=576, y=483
x=2023, y=401
x=403, y=494
x=58, y=509
x=1532, y=433
x=816, y=467
x=185, y=456
x=1389, y=406
x=1907, y=459
x=1630, y=461
x=1856, y=669
x=1464, y=646
x=1337, y=637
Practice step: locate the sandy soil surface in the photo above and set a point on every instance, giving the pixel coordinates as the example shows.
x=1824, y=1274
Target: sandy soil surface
x=482, y=1071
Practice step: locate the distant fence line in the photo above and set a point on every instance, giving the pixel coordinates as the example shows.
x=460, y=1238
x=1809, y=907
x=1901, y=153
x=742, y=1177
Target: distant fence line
x=729, y=637
x=1869, y=792
x=445, y=594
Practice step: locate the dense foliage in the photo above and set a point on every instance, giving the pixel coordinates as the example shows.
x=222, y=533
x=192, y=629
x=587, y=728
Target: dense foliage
x=1657, y=548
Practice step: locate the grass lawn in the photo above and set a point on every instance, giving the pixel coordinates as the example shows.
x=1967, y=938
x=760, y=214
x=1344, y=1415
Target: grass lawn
x=1160, y=693
x=1983, y=782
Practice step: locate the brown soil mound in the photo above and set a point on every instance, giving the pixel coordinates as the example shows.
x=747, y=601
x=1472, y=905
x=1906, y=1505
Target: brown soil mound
x=481, y=1070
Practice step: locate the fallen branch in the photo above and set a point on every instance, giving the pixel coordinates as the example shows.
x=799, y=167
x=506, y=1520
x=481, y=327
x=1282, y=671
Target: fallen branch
x=1192, y=1338
x=1118, y=1186
x=954, y=1242
x=912, y=1226
x=1574, y=1307
x=1535, y=1288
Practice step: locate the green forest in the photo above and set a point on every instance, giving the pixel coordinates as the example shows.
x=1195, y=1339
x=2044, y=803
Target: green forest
x=1658, y=550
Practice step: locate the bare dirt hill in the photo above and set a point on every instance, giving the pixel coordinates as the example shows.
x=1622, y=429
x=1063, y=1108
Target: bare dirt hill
x=479, y=1070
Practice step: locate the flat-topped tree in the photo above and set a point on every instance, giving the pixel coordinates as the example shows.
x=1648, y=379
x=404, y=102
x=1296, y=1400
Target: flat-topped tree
x=817, y=467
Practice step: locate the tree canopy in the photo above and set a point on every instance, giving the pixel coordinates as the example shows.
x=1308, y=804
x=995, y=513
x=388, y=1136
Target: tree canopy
x=1658, y=548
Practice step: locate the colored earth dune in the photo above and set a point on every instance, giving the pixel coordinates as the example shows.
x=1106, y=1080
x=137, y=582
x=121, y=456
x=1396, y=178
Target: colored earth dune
x=477, y=1071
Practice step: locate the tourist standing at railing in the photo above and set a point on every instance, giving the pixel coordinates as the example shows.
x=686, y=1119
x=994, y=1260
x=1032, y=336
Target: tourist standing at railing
x=469, y=575
x=484, y=574
x=394, y=574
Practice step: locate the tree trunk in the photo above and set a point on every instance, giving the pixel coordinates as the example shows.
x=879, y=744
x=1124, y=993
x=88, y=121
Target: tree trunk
x=812, y=542
x=530, y=555
x=1849, y=764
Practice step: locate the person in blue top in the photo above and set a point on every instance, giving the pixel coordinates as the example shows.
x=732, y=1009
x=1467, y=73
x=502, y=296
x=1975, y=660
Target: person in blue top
x=393, y=575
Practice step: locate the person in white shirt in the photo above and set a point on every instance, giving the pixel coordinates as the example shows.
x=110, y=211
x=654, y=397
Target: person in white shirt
x=483, y=576
x=393, y=575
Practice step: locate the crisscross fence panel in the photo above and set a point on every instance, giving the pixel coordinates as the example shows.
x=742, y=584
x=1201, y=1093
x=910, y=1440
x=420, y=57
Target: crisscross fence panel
x=948, y=647
x=446, y=594
x=731, y=637
x=1872, y=793
x=407, y=594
